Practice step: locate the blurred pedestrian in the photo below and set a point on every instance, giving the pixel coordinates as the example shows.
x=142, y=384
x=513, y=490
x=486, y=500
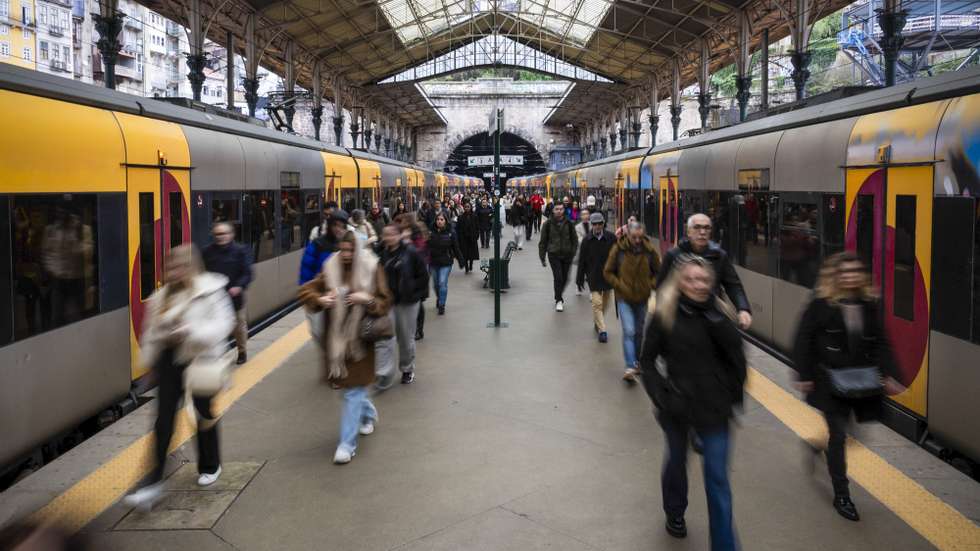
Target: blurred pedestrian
x=187, y=321
x=365, y=231
x=233, y=260
x=408, y=278
x=468, y=231
x=631, y=269
x=517, y=218
x=581, y=230
x=537, y=206
x=698, y=242
x=328, y=208
x=350, y=288
x=591, y=264
x=378, y=219
x=693, y=333
x=443, y=250
x=558, y=243
x=319, y=249
x=844, y=361
x=416, y=233
x=484, y=217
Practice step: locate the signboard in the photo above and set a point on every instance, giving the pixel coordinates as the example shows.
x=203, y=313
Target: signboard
x=490, y=175
x=487, y=160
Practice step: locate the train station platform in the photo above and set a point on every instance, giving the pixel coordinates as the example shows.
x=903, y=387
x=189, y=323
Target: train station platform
x=510, y=439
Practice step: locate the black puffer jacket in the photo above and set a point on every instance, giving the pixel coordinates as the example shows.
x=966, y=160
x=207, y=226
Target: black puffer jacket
x=517, y=215
x=443, y=248
x=407, y=274
x=484, y=216
x=592, y=259
x=705, y=365
x=822, y=342
x=725, y=274
x=233, y=261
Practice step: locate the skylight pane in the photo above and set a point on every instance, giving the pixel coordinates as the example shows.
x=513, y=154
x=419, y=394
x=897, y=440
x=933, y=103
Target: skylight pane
x=593, y=12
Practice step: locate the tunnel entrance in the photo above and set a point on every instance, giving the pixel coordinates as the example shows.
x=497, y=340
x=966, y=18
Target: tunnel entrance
x=480, y=144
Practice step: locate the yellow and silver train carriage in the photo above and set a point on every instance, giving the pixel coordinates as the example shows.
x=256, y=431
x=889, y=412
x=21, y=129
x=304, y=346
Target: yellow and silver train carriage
x=892, y=174
x=95, y=187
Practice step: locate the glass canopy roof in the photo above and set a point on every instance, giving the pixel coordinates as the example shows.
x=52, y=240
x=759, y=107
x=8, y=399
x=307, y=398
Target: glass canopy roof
x=573, y=20
x=494, y=50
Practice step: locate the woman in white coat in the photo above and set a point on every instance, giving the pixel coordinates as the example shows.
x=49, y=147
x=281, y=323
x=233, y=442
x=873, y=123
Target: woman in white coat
x=187, y=320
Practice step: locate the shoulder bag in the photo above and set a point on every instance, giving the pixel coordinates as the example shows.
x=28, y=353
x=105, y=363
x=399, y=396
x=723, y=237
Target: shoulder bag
x=855, y=382
x=208, y=376
x=376, y=328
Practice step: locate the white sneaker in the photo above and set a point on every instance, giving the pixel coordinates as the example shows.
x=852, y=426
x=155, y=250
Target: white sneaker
x=367, y=428
x=560, y=306
x=146, y=497
x=208, y=479
x=342, y=456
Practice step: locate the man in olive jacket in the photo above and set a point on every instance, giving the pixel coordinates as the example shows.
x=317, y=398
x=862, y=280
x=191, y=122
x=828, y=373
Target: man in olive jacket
x=559, y=243
x=632, y=269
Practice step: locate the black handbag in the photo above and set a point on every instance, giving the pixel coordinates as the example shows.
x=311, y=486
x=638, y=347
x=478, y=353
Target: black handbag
x=855, y=382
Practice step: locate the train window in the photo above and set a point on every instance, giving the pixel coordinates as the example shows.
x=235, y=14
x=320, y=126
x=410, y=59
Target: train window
x=147, y=248
x=175, y=204
x=799, y=242
x=291, y=236
x=227, y=208
x=866, y=228
x=112, y=252
x=55, y=261
x=311, y=212
x=753, y=231
x=651, y=214
x=953, y=258
x=832, y=235
x=904, y=278
x=6, y=285
x=717, y=209
x=289, y=180
x=259, y=222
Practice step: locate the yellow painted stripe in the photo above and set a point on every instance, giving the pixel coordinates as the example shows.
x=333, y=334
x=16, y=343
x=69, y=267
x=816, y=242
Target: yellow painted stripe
x=941, y=524
x=87, y=499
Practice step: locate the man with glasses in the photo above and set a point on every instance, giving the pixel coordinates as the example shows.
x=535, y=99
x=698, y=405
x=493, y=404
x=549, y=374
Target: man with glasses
x=699, y=243
x=232, y=260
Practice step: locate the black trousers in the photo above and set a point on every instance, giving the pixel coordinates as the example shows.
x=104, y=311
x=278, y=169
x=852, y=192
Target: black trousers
x=560, y=266
x=170, y=389
x=836, y=462
x=527, y=229
x=485, y=238
x=469, y=266
x=536, y=217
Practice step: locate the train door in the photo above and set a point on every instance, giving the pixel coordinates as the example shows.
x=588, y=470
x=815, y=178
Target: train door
x=889, y=225
x=159, y=220
x=669, y=213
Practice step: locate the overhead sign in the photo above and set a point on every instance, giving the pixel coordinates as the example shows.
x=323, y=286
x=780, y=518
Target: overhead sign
x=490, y=174
x=487, y=160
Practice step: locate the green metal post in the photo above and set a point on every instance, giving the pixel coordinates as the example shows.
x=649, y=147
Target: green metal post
x=497, y=221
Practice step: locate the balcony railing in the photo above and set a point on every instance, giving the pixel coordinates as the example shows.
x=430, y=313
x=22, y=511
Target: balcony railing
x=56, y=30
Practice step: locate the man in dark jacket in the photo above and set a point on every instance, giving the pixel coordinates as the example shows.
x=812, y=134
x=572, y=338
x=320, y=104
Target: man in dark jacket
x=484, y=220
x=467, y=230
x=698, y=242
x=319, y=250
x=408, y=279
x=631, y=269
x=591, y=261
x=232, y=260
x=558, y=243
x=378, y=219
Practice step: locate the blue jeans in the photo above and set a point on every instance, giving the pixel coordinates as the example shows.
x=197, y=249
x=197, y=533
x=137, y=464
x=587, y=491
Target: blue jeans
x=673, y=481
x=440, y=282
x=632, y=316
x=358, y=409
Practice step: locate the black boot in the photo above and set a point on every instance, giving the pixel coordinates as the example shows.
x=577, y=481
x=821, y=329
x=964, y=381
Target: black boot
x=845, y=508
x=676, y=527
x=420, y=323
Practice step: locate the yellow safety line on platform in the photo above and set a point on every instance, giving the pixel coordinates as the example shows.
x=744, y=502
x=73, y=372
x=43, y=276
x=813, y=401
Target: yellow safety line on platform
x=941, y=524
x=87, y=499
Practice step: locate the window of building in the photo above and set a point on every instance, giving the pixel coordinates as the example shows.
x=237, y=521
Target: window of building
x=27, y=34
x=260, y=224
x=42, y=14
x=55, y=53
x=4, y=8
x=291, y=221
x=27, y=54
x=55, y=251
x=66, y=53
x=43, y=51
x=4, y=49
x=26, y=15
x=4, y=30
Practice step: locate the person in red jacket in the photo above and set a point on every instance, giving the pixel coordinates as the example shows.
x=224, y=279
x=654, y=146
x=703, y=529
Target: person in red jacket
x=537, y=204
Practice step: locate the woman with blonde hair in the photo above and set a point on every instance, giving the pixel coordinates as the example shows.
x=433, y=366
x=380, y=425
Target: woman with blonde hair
x=350, y=290
x=695, y=336
x=187, y=320
x=843, y=360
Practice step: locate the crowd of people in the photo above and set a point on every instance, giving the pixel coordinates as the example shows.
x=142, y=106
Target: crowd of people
x=365, y=276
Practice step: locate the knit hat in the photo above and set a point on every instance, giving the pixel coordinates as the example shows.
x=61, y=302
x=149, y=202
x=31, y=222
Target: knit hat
x=339, y=215
x=596, y=218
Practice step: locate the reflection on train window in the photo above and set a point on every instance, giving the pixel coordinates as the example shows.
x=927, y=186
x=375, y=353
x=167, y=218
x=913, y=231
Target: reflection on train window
x=291, y=236
x=147, y=248
x=755, y=224
x=799, y=243
x=227, y=210
x=904, y=279
x=866, y=229
x=55, y=264
x=651, y=214
x=260, y=224
x=6, y=284
x=175, y=206
x=833, y=224
x=976, y=273
x=311, y=212
x=717, y=208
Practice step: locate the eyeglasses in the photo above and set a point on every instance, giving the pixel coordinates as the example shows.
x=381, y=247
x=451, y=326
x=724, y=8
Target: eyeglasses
x=699, y=227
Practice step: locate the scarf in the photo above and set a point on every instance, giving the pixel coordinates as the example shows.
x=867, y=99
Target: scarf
x=343, y=334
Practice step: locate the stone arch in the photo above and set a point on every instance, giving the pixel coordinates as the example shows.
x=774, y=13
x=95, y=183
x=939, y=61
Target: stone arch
x=514, y=141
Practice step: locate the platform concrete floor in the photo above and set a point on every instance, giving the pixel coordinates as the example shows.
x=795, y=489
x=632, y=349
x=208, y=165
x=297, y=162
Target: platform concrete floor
x=518, y=438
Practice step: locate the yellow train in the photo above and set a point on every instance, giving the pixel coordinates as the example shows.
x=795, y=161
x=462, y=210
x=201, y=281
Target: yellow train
x=96, y=186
